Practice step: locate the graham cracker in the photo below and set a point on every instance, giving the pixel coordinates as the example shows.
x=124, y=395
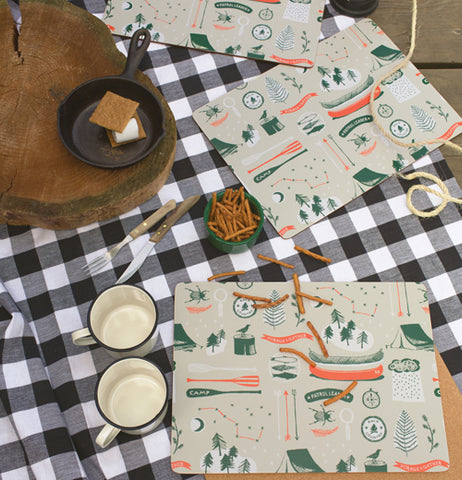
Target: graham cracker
x=141, y=133
x=114, y=112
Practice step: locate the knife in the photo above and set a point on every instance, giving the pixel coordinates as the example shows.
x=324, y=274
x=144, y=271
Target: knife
x=157, y=237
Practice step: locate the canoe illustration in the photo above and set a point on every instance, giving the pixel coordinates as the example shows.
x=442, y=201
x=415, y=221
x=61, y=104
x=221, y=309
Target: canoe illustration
x=348, y=96
x=346, y=360
x=346, y=374
x=355, y=106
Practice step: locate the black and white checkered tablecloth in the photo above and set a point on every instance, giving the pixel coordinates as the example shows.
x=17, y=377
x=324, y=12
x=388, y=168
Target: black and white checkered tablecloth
x=48, y=418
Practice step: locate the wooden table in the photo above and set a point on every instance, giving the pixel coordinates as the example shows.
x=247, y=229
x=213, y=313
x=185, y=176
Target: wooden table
x=438, y=52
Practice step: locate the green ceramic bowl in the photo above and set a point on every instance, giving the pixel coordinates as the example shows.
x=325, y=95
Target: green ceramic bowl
x=227, y=246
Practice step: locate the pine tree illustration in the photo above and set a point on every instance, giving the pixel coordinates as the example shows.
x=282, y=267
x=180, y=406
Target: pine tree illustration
x=276, y=91
x=398, y=163
x=424, y=121
x=212, y=341
x=139, y=19
x=233, y=452
x=218, y=442
x=244, y=466
x=286, y=39
x=325, y=85
x=405, y=437
x=331, y=203
x=328, y=333
x=226, y=463
x=345, y=335
x=341, y=467
x=324, y=71
x=351, y=75
x=337, y=317
x=316, y=206
x=362, y=339
x=207, y=462
x=274, y=316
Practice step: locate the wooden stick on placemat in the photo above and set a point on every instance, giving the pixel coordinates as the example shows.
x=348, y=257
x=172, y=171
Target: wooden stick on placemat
x=444, y=194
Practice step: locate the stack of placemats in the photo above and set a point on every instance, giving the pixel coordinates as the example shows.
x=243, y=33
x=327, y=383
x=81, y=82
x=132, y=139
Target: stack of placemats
x=304, y=142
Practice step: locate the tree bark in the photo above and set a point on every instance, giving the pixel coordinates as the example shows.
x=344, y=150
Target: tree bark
x=59, y=47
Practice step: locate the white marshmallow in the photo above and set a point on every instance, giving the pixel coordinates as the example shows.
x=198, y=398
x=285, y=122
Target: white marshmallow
x=130, y=132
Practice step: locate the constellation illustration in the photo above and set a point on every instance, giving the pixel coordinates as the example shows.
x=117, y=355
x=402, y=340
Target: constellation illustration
x=354, y=311
x=235, y=423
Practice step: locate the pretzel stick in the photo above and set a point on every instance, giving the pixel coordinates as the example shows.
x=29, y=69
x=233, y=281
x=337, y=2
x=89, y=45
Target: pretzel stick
x=314, y=255
x=226, y=274
x=341, y=394
x=214, y=205
x=316, y=299
x=318, y=338
x=240, y=232
x=272, y=304
x=252, y=297
x=249, y=212
x=300, y=354
x=279, y=262
x=301, y=307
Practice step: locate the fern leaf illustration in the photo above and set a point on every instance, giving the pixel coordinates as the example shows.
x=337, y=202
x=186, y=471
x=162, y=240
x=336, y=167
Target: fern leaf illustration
x=405, y=437
x=276, y=92
x=286, y=39
x=274, y=316
x=424, y=121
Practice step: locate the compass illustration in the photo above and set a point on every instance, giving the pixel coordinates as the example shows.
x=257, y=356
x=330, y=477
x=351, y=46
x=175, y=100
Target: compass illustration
x=252, y=100
x=265, y=14
x=261, y=32
x=243, y=307
x=400, y=128
x=384, y=110
x=373, y=428
x=371, y=399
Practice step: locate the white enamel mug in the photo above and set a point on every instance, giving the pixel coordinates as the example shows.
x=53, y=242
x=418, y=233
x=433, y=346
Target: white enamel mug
x=123, y=320
x=131, y=396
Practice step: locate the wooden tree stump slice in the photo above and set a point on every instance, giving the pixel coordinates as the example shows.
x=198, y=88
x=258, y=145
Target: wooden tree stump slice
x=59, y=47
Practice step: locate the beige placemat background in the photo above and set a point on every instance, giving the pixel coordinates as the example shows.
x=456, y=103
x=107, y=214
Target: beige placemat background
x=452, y=408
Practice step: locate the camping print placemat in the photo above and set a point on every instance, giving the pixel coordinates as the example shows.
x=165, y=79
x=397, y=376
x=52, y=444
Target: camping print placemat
x=241, y=405
x=284, y=31
x=303, y=141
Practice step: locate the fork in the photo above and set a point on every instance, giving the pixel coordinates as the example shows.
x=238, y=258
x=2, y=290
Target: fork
x=99, y=262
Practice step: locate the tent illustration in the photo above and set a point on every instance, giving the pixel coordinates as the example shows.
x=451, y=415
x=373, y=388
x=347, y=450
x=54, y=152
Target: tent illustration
x=368, y=177
x=386, y=55
x=411, y=336
x=298, y=461
x=199, y=40
x=223, y=148
x=181, y=340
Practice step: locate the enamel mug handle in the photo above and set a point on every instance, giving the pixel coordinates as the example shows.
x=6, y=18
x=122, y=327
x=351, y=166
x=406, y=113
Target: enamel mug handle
x=82, y=337
x=107, y=434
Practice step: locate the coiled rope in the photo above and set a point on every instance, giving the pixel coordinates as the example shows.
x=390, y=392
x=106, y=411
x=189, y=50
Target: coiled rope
x=444, y=193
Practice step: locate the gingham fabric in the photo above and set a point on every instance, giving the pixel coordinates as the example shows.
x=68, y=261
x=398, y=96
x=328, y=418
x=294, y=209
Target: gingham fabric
x=48, y=418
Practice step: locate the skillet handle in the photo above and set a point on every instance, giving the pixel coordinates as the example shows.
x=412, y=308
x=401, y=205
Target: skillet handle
x=135, y=52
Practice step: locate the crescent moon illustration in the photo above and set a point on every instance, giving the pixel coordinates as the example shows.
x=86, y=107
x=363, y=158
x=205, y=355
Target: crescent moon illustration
x=197, y=424
x=127, y=6
x=278, y=197
x=319, y=304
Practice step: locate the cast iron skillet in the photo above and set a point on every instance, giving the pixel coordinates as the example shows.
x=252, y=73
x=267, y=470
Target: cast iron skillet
x=88, y=141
